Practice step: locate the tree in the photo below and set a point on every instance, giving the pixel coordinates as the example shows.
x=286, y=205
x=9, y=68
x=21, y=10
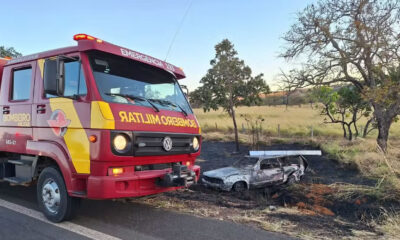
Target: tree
x=288, y=83
x=350, y=100
x=195, y=98
x=329, y=98
x=228, y=84
x=369, y=125
x=9, y=52
x=354, y=42
x=345, y=106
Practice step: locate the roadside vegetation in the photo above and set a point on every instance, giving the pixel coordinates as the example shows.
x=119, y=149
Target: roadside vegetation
x=344, y=195
x=353, y=192
x=305, y=125
x=296, y=121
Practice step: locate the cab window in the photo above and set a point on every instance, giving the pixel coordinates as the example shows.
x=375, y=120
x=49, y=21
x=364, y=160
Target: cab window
x=21, y=84
x=74, y=80
x=75, y=84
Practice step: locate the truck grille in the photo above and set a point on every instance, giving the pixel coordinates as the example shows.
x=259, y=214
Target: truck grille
x=213, y=180
x=146, y=144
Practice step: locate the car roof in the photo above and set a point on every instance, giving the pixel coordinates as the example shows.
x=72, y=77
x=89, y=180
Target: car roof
x=272, y=156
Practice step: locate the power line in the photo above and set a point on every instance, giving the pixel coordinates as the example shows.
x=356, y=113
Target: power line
x=178, y=29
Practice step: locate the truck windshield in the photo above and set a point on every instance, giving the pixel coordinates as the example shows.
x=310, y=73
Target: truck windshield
x=122, y=80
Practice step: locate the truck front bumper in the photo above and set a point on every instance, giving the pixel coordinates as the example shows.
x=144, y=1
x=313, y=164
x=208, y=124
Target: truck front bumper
x=140, y=183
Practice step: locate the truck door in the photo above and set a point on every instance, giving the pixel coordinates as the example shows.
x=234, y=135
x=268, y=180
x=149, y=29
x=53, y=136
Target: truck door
x=63, y=119
x=16, y=107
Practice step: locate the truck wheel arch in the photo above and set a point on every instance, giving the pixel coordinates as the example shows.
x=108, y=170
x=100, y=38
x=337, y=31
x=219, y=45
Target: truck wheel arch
x=52, y=153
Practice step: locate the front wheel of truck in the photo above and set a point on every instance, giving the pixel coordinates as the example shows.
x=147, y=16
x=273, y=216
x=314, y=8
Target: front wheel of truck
x=53, y=198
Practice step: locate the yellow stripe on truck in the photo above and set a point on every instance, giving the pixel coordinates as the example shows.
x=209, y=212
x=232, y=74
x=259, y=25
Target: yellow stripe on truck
x=101, y=116
x=76, y=138
x=41, y=66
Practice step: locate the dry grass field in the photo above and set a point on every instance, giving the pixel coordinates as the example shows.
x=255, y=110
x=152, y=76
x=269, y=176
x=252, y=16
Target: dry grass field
x=294, y=122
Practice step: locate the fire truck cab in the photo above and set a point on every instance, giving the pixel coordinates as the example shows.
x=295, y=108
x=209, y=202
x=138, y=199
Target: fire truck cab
x=95, y=121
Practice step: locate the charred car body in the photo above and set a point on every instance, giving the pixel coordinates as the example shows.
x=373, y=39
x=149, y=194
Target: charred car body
x=259, y=169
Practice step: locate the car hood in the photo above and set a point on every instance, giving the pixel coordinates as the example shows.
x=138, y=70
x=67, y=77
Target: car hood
x=226, y=172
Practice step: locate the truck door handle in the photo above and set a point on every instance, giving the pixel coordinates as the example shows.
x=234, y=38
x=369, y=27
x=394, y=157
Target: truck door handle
x=6, y=110
x=41, y=109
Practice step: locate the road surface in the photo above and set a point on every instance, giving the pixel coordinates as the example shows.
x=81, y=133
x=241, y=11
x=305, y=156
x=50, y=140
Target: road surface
x=20, y=219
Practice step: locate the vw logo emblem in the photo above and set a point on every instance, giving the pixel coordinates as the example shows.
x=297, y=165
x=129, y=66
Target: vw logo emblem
x=167, y=144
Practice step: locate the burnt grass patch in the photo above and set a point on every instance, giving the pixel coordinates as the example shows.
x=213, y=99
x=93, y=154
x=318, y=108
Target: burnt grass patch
x=332, y=200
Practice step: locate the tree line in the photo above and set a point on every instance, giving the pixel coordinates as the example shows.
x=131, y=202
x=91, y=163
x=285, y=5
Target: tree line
x=8, y=52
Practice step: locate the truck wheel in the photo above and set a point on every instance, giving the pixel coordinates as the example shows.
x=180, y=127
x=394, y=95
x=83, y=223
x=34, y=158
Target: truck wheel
x=53, y=198
x=239, y=187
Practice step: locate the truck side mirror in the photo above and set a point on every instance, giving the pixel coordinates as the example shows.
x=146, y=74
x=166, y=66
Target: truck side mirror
x=60, y=77
x=54, y=77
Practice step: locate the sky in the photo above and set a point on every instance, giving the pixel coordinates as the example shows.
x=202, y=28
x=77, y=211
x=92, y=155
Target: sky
x=255, y=27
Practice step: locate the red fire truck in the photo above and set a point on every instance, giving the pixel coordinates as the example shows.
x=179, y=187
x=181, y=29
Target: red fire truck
x=95, y=121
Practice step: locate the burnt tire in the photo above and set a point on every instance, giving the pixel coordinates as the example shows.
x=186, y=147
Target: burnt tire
x=291, y=180
x=53, y=198
x=239, y=187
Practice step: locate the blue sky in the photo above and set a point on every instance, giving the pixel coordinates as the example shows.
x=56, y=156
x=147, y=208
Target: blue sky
x=148, y=26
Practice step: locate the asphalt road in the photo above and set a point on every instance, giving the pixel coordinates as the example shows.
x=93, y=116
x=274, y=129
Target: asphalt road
x=115, y=219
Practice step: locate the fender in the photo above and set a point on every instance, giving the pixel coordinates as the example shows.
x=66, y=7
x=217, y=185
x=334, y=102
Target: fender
x=54, y=151
x=232, y=179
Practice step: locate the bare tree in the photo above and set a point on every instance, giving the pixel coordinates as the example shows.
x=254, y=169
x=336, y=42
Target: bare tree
x=288, y=83
x=353, y=42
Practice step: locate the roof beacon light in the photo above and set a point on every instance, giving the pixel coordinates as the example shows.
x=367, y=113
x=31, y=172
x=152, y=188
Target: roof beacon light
x=82, y=36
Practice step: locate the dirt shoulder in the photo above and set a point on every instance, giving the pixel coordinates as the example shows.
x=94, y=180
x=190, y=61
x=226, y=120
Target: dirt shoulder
x=333, y=201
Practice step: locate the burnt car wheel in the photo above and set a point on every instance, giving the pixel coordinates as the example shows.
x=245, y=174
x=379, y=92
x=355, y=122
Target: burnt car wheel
x=53, y=198
x=239, y=187
x=291, y=180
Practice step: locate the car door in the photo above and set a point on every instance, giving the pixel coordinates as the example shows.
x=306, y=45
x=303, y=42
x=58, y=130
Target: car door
x=16, y=106
x=269, y=171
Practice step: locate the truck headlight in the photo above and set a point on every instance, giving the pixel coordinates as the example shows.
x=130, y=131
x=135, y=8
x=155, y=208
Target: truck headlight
x=120, y=142
x=195, y=144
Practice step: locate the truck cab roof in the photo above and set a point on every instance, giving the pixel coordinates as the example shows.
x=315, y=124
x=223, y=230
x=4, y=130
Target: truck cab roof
x=88, y=43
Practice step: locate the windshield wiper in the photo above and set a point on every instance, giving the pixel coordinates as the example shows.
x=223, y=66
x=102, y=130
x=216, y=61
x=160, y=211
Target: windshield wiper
x=134, y=97
x=171, y=104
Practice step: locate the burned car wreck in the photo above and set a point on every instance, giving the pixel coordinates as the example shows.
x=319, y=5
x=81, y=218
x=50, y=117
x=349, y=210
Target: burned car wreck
x=260, y=169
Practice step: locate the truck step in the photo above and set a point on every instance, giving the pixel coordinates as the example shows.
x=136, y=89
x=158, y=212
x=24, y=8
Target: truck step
x=23, y=160
x=79, y=193
x=17, y=180
x=20, y=162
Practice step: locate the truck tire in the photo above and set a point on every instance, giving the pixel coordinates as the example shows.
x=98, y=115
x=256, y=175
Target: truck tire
x=53, y=198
